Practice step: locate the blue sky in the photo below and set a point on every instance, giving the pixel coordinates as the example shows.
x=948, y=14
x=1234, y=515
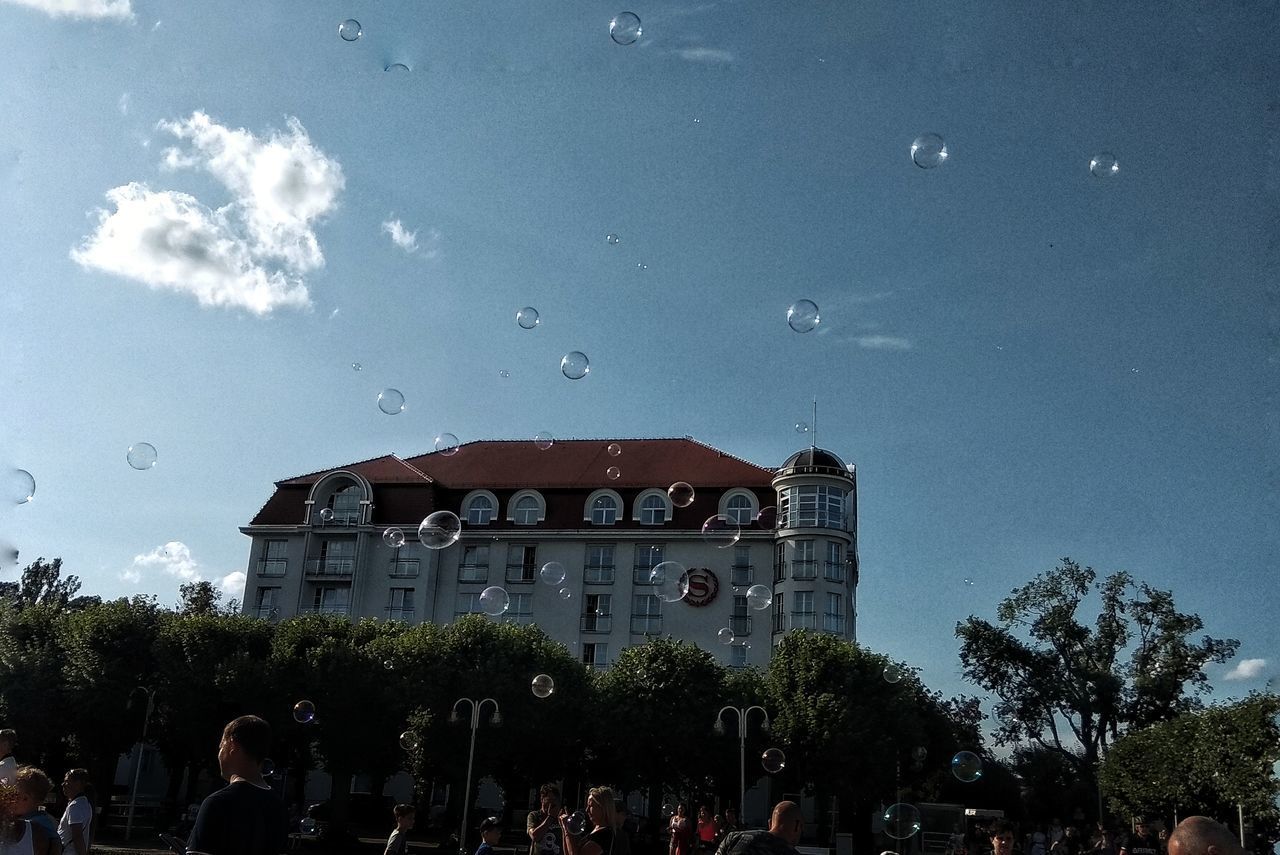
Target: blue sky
x=1025, y=361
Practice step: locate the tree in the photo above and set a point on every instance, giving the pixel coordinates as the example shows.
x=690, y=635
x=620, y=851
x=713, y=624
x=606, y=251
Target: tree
x=1066, y=686
x=203, y=598
x=42, y=585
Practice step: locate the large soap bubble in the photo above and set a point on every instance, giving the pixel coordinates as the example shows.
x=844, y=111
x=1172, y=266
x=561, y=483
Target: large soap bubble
x=440, y=529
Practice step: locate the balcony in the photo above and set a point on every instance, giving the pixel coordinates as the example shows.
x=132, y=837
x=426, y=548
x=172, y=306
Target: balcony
x=267, y=612
x=596, y=623
x=835, y=571
x=804, y=569
x=272, y=567
x=833, y=623
x=473, y=572
x=343, y=609
x=640, y=574
x=741, y=574
x=598, y=574
x=522, y=573
x=646, y=625
x=330, y=568
x=403, y=568
x=400, y=613
x=804, y=620
x=740, y=624
x=340, y=518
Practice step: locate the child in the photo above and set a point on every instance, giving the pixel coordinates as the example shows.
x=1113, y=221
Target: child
x=32, y=830
x=398, y=842
x=489, y=834
x=33, y=789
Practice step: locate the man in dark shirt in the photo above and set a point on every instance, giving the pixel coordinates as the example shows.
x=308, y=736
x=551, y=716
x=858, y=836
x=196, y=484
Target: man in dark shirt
x=1141, y=842
x=785, y=828
x=245, y=817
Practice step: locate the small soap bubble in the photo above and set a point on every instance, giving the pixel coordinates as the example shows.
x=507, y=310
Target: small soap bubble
x=440, y=529
x=767, y=519
x=141, y=456
x=919, y=753
x=613, y=472
x=720, y=531
x=565, y=593
x=681, y=494
x=773, y=760
x=928, y=151
x=447, y=444
x=528, y=318
x=543, y=686
x=308, y=826
x=892, y=673
x=725, y=635
x=304, y=712
x=389, y=664
x=614, y=449
x=966, y=766
x=969, y=582
x=802, y=316
x=390, y=401
x=759, y=597
x=802, y=427
x=409, y=740
x=350, y=30
x=19, y=486
x=901, y=821
x=326, y=516
x=268, y=767
x=504, y=373
x=575, y=365
x=612, y=239
x=576, y=824
x=1103, y=165
x=494, y=601
x=671, y=581
x=356, y=366
x=397, y=68
x=553, y=573
x=668, y=810
x=393, y=537
x=640, y=265
x=543, y=440
x=625, y=28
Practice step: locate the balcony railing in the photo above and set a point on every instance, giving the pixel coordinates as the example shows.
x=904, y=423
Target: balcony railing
x=399, y=613
x=596, y=623
x=598, y=574
x=403, y=568
x=804, y=620
x=343, y=518
x=329, y=609
x=330, y=567
x=522, y=572
x=267, y=612
x=517, y=619
x=742, y=574
x=646, y=625
x=640, y=574
x=835, y=571
x=740, y=624
x=833, y=623
x=473, y=573
x=804, y=569
x=272, y=567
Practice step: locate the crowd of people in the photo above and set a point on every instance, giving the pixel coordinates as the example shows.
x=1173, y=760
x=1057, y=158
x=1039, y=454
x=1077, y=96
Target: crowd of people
x=1195, y=835
x=26, y=828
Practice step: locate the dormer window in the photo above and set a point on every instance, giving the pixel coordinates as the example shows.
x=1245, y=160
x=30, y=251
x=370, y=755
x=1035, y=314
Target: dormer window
x=480, y=511
x=653, y=511
x=526, y=512
x=604, y=510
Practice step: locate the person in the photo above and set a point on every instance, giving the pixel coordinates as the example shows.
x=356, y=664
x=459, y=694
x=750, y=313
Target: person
x=1199, y=835
x=490, y=833
x=786, y=824
x=398, y=842
x=1037, y=842
x=1141, y=842
x=625, y=826
x=603, y=820
x=543, y=825
x=728, y=824
x=245, y=817
x=32, y=788
x=1069, y=844
x=8, y=765
x=706, y=829
x=1055, y=831
x=682, y=832
x=1001, y=837
x=955, y=842
x=75, y=829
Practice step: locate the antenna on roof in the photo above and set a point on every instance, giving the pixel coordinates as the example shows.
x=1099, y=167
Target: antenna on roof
x=813, y=435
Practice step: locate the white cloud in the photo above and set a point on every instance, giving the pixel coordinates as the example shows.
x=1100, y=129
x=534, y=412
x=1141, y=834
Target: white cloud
x=400, y=236
x=1247, y=669
x=173, y=558
x=706, y=54
x=232, y=584
x=882, y=342
x=119, y=10
x=252, y=253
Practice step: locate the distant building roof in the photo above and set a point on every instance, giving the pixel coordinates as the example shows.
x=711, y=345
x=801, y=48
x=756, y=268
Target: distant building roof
x=813, y=457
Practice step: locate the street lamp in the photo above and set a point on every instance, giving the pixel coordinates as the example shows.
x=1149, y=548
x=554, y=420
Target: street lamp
x=142, y=746
x=495, y=720
x=743, y=717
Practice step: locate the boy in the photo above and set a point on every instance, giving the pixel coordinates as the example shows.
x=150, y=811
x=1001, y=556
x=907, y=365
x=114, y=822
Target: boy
x=398, y=842
x=490, y=832
x=245, y=817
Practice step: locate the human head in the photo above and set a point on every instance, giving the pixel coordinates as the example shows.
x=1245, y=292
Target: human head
x=405, y=816
x=245, y=743
x=1140, y=826
x=490, y=830
x=1001, y=837
x=704, y=812
x=75, y=782
x=549, y=799
x=1199, y=835
x=8, y=739
x=681, y=810
x=787, y=822
x=1069, y=831
x=33, y=788
x=600, y=807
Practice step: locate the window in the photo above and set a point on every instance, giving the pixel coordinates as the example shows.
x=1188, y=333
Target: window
x=403, y=568
x=526, y=509
x=741, y=566
x=599, y=569
x=268, y=603
x=522, y=564
x=835, y=562
x=740, y=509
x=604, y=510
x=780, y=563
x=346, y=505
x=274, y=561
x=480, y=510
x=521, y=609
x=647, y=557
x=802, y=614
x=474, y=565
x=779, y=613
x=469, y=604
x=595, y=655
x=646, y=615
x=740, y=622
x=738, y=656
x=597, y=614
x=400, y=606
x=833, y=620
x=653, y=510
x=337, y=558
x=332, y=600
x=804, y=565
x=818, y=506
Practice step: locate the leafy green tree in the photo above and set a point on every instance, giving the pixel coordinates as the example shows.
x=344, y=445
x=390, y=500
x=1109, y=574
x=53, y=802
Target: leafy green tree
x=202, y=597
x=32, y=683
x=42, y=585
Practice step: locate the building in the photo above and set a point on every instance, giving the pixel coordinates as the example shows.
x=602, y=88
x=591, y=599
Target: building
x=600, y=508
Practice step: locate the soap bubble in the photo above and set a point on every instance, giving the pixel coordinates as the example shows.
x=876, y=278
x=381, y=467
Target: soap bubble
x=681, y=494
x=504, y=373
x=966, y=766
x=543, y=440
x=19, y=486
x=612, y=239
x=447, y=444
x=1103, y=165
x=928, y=151
x=968, y=582
x=308, y=826
x=575, y=365
x=614, y=449
x=350, y=30
x=543, y=686
x=268, y=767
x=390, y=401
x=553, y=573
x=613, y=472
x=304, y=712
x=326, y=516
x=625, y=28
x=440, y=529
x=802, y=427
x=725, y=635
x=767, y=519
x=565, y=593
x=720, y=531
x=356, y=366
x=773, y=760
x=919, y=753
x=528, y=318
x=576, y=824
x=802, y=316
x=141, y=456
x=388, y=664
x=397, y=67
x=393, y=537
x=892, y=673
x=409, y=740
x=671, y=581
x=668, y=810
x=759, y=597
x=494, y=601
x=901, y=821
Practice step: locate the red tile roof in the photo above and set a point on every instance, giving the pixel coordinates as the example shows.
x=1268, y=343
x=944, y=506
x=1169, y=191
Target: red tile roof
x=387, y=469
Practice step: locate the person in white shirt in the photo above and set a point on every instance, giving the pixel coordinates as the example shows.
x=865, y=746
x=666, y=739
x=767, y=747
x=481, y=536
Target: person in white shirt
x=74, y=829
x=8, y=766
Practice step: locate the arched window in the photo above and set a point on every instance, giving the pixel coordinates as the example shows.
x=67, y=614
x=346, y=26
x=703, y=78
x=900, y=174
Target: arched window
x=480, y=510
x=345, y=504
x=740, y=509
x=526, y=511
x=604, y=511
x=653, y=510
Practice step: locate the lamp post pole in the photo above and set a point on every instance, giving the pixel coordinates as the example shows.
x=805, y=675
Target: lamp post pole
x=744, y=715
x=137, y=766
x=495, y=720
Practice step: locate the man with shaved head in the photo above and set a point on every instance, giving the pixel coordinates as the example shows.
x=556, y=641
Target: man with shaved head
x=785, y=828
x=1199, y=835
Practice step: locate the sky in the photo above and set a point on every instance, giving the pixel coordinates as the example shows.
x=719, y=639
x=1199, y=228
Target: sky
x=212, y=213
